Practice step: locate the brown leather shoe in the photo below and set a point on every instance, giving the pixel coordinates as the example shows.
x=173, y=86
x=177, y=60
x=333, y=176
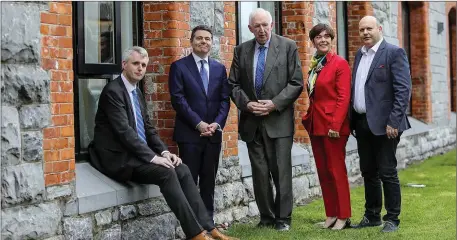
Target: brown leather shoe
x=216, y=234
x=202, y=236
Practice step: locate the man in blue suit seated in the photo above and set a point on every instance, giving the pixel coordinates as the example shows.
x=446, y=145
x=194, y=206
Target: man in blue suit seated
x=200, y=96
x=381, y=89
x=127, y=147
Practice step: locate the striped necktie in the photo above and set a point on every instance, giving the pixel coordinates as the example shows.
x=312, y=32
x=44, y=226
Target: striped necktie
x=139, y=117
x=204, y=75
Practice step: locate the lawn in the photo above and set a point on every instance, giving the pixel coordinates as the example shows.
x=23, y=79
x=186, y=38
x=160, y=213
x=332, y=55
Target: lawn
x=427, y=213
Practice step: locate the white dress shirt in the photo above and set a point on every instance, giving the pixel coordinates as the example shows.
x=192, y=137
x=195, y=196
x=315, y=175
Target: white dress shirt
x=199, y=65
x=361, y=76
x=256, y=56
x=130, y=88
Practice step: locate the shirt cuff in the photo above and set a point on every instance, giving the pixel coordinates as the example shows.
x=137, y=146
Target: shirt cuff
x=198, y=125
x=160, y=154
x=219, y=127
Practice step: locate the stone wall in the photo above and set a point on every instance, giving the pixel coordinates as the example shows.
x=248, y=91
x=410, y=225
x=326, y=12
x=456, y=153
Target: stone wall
x=387, y=15
x=28, y=210
x=439, y=63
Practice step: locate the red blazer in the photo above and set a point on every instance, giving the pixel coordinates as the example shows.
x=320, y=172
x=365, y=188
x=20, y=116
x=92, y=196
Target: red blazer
x=329, y=103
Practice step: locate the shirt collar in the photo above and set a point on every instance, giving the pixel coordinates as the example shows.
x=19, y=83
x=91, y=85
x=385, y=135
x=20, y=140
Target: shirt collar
x=374, y=48
x=267, y=44
x=130, y=87
x=197, y=59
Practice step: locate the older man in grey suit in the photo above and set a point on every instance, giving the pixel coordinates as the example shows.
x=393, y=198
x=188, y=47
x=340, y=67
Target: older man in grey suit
x=381, y=91
x=266, y=79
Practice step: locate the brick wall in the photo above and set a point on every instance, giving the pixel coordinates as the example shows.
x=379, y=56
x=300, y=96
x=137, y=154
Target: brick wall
x=57, y=59
x=355, y=12
x=297, y=20
x=420, y=62
x=227, y=45
x=166, y=37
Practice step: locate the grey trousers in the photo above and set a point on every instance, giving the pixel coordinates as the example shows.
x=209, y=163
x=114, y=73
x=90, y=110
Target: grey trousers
x=271, y=160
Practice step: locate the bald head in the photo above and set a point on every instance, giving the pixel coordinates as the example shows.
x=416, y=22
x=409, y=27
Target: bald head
x=370, y=31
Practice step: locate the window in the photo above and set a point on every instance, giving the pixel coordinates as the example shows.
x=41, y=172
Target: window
x=341, y=31
x=406, y=41
x=103, y=30
x=243, y=11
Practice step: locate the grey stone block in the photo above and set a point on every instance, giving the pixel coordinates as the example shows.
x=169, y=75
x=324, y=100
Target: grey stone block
x=253, y=210
x=240, y=213
x=219, y=18
x=31, y=222
x=225, y=175
x=60, y=237
x=202, y=13
x=116, y=214
x=227, y=195
x=155, y=207
x=180, y=233
x=113, y=233
x=25, y=84
x=54, y=192
x=224, y=216
x=22, y=183
x=35, y=116
x=300, y=188
x=78, y=228
x=161, y=227
x=321, y=13
x=103, y=217
x=32, y=146
x=11, y=138
x=127, y=212
x=71, y=207
x=249, y=187
x=21, y=31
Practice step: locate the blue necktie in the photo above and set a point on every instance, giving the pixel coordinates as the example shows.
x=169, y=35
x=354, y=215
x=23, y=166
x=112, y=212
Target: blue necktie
x=260, y=68
x=139, y=117
x=204, y=75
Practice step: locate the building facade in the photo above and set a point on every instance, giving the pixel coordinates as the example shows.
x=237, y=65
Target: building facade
x=57, y=56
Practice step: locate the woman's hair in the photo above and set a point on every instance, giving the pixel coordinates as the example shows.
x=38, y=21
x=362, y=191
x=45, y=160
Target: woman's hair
x=320, y=27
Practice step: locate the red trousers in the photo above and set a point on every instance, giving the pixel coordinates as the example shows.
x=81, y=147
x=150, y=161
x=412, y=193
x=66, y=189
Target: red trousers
x=330, y=154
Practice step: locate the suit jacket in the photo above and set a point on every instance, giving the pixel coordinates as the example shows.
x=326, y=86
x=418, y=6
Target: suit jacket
x=329, y=103
x=116, y=144
x=387, y=89
x=192, y=104
x=282, y=83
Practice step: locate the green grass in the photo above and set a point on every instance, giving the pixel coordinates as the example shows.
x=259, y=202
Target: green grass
x=427, y=213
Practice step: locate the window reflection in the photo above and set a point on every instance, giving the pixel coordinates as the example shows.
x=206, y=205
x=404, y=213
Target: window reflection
x=89, y=93
x=99, y=32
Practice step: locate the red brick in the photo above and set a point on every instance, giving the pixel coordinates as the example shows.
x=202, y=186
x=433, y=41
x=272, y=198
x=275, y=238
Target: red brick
x=51, y=179
x=60, y=166
x=48, y=18
x=67, y=177
x=59, y=120
x=51, y=133
x=51, y=155
x=152, y=16
x=65, y=42
x=67, y=131
x=68, y=153
x=65, y=20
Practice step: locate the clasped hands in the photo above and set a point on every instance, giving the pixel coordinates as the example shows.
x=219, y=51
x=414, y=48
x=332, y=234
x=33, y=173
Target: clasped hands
x=168, y=160
x=261, y=108
x=207, y=130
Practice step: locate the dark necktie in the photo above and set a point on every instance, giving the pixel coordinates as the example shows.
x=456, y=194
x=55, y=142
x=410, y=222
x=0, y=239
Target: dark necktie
x=204, y=75
x=260, y=69
x=139, y=117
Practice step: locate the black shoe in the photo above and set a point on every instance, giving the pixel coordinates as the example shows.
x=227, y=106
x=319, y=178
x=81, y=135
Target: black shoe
x=282, y=226
x=367, y=223
x=265, y=224
x=389, y=227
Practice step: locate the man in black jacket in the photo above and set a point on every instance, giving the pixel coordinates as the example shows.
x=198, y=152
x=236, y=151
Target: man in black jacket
x=127, y=147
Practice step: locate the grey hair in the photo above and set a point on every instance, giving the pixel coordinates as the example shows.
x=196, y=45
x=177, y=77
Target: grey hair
x=128, y=52
x=260, y=10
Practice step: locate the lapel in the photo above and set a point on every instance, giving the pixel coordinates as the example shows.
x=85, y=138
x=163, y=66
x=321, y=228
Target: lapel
x=212, y=73
x=249, y=60
x=271, y=57
x=129, y=103
x=190, y=64
x=376, y=58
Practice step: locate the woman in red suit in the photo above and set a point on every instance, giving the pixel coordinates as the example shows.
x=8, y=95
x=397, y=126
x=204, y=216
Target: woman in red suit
x=327, y=123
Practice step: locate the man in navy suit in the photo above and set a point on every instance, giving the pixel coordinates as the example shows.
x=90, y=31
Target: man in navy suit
x=200, y=96
x=381, y=89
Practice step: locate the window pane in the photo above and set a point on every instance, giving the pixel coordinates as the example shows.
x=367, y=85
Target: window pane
x=89, y=93
x=341, y=29
x=129, y=25
x=245, y=9
x=99, y=32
